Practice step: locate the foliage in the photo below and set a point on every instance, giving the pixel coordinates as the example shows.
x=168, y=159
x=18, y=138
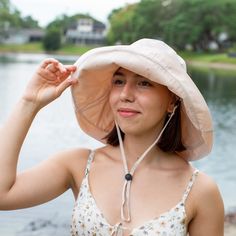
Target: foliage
x=60, y=23
x=29, y=22
x=198, y=23
x=52, y=40
x=178, y=22
x=121, y=21
x=10, y=17
x=63, y=22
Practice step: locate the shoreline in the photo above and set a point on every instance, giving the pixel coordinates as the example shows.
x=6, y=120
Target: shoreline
x=212, y=65
x=194, y=63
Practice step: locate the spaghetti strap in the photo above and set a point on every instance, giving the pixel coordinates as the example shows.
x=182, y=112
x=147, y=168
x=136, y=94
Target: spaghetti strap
x=90, y=160
x=190, y=184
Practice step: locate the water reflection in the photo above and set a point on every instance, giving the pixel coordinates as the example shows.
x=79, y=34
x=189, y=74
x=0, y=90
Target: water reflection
x=218, y=88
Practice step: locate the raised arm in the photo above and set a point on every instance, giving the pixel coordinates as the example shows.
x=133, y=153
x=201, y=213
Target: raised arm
x=36, y=185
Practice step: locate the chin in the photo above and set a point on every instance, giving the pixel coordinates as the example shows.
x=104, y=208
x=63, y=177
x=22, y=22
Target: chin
x=133, y=130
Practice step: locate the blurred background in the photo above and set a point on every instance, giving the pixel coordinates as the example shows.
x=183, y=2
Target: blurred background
x=202, y=31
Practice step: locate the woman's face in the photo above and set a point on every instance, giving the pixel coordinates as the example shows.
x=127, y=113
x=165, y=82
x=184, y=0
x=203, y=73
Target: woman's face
x=138, y=104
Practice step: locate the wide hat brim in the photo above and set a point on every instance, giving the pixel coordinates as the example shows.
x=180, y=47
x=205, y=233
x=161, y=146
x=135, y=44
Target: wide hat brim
x=156, y=61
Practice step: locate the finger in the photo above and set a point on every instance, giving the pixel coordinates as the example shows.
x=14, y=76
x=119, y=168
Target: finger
x=48, y=61
x=57, y=68
x=48, y=75
x=65, y=84
x=61, y=67
x=71, y=68
x=66, y=74
x=72, y=80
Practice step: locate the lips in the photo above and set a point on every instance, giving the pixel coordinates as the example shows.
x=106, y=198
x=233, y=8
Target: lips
x=127, y=112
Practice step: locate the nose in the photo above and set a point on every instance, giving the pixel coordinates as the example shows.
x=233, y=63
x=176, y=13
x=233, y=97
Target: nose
x=128, y=93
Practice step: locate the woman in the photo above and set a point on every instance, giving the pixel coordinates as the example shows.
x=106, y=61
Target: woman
x=140, y=102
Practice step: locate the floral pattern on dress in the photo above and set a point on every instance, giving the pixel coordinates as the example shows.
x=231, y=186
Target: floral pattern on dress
x=88, y=220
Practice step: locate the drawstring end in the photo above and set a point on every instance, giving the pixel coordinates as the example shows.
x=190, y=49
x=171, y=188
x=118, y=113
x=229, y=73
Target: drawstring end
x=117, y=230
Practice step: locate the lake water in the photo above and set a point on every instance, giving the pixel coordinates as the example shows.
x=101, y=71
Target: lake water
x=55, y=128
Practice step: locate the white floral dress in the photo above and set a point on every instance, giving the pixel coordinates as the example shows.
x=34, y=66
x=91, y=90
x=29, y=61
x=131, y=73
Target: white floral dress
x=88, y=220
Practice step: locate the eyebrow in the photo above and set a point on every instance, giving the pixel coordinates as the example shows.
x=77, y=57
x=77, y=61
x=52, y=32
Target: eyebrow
x=122, y=74
x=118, y=73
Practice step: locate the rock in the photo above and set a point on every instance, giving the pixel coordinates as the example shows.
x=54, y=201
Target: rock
x=44, y=227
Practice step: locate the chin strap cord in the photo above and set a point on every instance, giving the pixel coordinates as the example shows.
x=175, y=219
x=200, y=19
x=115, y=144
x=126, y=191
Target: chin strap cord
x=125, y=207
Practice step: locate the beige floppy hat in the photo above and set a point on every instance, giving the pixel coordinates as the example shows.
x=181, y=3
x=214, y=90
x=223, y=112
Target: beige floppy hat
x=156, y=61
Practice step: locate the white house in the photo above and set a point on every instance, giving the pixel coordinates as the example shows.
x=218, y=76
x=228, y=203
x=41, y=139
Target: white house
x=86, y=31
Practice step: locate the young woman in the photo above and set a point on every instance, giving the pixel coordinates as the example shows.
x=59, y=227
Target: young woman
x=138, y=100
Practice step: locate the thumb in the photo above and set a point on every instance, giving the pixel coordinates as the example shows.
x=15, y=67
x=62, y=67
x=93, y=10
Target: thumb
x=65, y=84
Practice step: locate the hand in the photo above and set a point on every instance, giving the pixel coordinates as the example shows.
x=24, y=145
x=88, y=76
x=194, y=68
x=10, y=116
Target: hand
x=48, y=82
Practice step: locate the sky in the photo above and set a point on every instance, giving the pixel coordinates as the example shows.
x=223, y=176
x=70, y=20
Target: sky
x=45, y=11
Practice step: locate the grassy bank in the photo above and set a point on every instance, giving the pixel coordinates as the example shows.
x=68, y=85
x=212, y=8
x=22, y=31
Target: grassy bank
x=208, y=57
x=38, y=48
x=26, y=48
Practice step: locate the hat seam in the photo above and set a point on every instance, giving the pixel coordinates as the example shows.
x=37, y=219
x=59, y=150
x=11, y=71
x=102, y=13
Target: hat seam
x=81, y=112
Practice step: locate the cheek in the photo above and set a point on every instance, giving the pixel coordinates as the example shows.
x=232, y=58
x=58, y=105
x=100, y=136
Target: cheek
x=158, y=105
x=113, y=98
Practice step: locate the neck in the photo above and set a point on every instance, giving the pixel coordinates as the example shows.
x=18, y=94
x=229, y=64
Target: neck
x=135, y=146
x=142, y=145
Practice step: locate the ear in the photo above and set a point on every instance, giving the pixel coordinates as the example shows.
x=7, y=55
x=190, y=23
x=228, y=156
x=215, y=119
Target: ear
x=172, y=103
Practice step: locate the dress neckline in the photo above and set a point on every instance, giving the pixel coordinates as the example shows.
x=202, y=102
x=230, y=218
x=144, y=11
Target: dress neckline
x=180, y=204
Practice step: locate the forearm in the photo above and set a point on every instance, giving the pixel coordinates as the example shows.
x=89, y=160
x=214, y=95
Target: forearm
x=46, y=85
x=12, y=136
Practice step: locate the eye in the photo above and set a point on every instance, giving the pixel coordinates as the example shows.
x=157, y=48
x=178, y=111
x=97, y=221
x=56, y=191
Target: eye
x=118, y=81
x=144, y=83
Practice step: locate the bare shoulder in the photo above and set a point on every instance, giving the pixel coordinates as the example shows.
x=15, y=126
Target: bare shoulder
x=207, y=193
x=209, y=207
x=206, y=188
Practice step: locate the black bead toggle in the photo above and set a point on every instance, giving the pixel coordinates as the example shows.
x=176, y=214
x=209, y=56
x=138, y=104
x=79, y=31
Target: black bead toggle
x=128, y=177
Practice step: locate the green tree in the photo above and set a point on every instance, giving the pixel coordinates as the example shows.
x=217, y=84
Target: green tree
x=63, y=22
x=144, y=19
x=198, y=23
x=52, y=40
x=178, y=22
x=122, y=25
x=29, y=22
x=10, y=17
x=4, y=5
x=4, y=14
x=152, y=16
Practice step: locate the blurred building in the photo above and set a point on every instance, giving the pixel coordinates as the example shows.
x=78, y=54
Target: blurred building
x=21, y=36
x=86, y=31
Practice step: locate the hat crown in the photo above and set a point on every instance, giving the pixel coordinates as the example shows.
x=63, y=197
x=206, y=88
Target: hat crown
x=159, y=51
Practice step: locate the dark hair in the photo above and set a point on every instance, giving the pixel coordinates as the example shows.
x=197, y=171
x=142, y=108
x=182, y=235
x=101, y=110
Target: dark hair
x=170, y=140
